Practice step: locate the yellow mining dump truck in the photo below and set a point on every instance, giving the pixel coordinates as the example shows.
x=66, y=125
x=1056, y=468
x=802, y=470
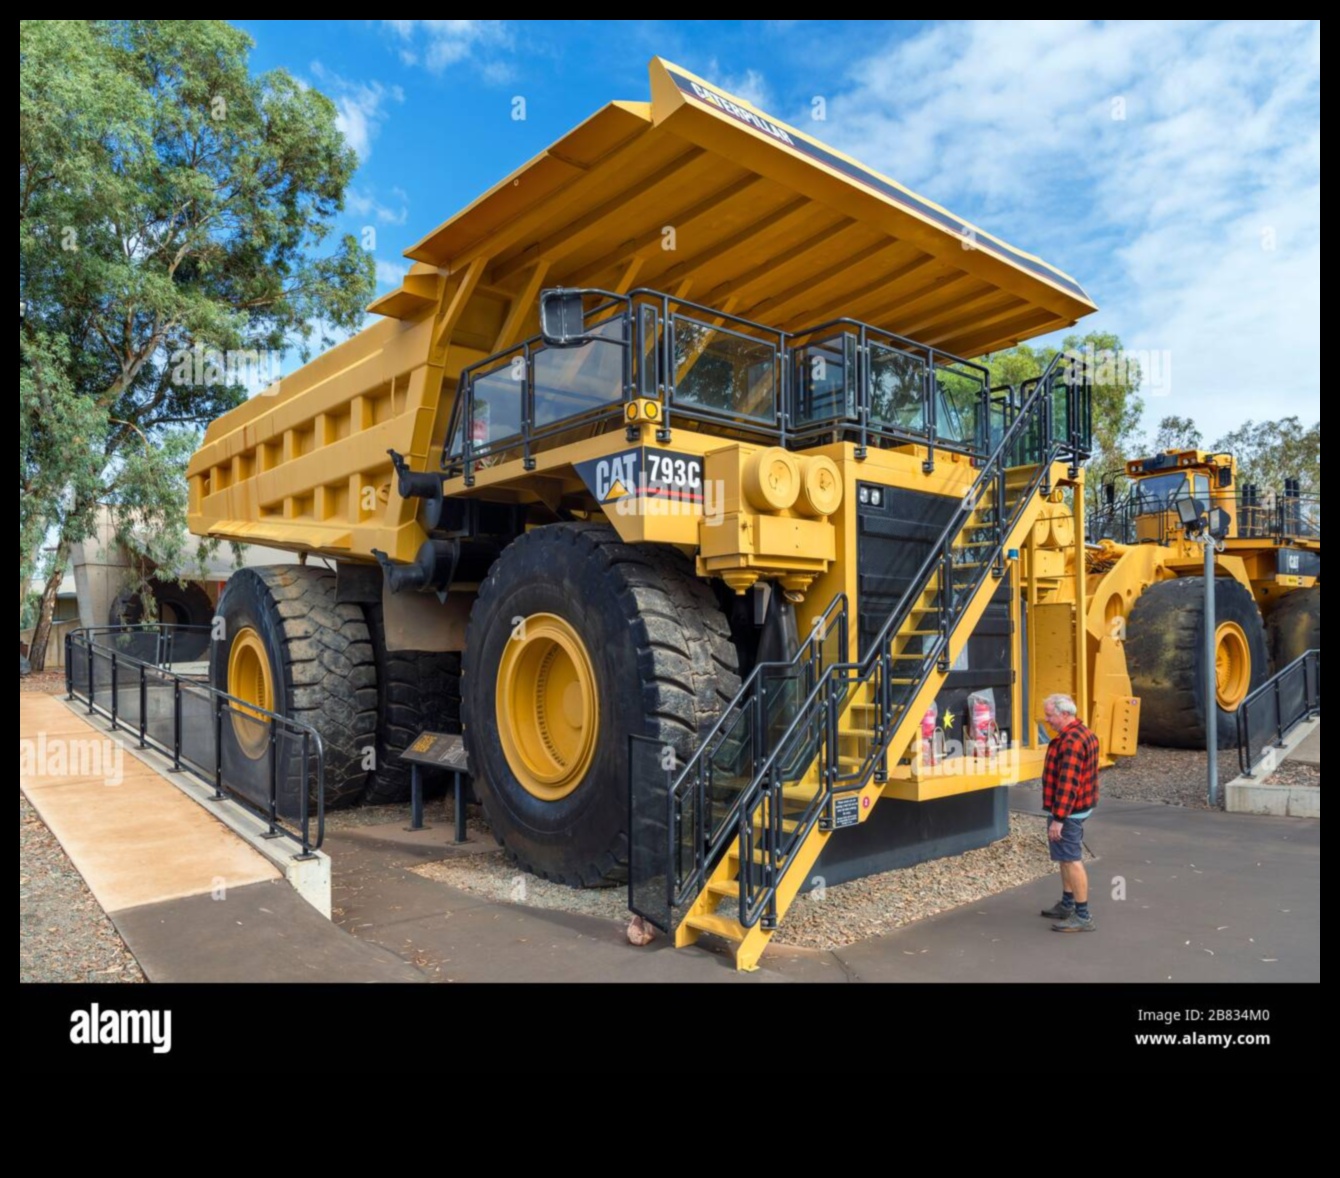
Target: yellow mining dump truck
x=664, y=475
x=1147, y=591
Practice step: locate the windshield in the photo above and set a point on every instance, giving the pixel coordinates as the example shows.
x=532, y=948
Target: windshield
x=1157, y=493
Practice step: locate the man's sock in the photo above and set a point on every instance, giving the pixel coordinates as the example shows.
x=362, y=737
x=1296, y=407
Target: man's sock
x=1082, y=910
x=1068, y=899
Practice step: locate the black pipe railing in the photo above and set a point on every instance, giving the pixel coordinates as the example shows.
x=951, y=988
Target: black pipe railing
x=271, y=765
x=1274, y=709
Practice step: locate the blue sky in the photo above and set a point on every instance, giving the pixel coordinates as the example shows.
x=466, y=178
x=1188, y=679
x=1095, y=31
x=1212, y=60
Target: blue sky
x=1172, y=167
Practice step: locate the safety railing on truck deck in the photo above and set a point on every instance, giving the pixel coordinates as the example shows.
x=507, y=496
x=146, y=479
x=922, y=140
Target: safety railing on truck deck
x=1278, y=706
x=676, y=842
x=1144, y=518
x=1288, y=515
x=854, y=382
x=700, y=364
x=707, y=368
x=271, y=765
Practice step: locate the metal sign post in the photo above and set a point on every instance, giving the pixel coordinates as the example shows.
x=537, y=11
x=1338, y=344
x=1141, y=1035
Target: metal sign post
x=1211, y=674
x=1207, y=528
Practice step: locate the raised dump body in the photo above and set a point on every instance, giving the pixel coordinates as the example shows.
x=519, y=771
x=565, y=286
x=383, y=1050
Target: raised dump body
x=694, y=193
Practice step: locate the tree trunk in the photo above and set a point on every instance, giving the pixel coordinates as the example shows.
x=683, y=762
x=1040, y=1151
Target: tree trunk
x=37, y=654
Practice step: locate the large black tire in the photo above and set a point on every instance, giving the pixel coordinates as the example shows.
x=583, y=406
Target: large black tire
x=664, y=668
x=416, y=690
x=1294, y=626
x=321, y=665
x=1165, y=654
x=174, y=605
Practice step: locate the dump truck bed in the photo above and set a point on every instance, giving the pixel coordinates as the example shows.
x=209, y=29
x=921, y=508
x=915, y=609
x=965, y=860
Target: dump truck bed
x=696, y=193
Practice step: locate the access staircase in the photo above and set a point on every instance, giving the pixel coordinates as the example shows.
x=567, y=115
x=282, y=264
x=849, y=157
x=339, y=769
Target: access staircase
x=728, y=840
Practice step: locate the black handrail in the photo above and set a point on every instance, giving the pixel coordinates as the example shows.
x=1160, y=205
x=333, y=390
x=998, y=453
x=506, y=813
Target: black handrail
x=1287, y=698
x=758, y=882
x=306, y=774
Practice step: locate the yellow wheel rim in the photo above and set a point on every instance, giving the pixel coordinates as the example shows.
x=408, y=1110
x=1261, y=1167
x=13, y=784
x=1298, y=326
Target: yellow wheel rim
x=547, y=706
x=250, y=680
x=1232, y=665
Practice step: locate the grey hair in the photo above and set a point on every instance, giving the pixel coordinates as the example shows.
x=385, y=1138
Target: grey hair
x=1061, y=703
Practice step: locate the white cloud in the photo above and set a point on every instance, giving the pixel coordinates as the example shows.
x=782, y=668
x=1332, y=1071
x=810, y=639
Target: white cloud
x=360, y=106
x=751, y=85
x=363, y=203
x=391, y=273
x=1172, y=167
x=439, y=44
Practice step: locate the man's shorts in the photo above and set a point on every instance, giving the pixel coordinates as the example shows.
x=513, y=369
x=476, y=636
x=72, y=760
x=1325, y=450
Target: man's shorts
x=1069, y=848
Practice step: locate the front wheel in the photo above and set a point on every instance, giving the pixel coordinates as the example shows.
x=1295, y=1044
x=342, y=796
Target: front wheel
x=1165, y=654
x=576, y=642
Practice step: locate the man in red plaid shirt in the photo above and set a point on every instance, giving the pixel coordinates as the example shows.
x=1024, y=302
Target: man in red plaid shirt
x=1069, y=794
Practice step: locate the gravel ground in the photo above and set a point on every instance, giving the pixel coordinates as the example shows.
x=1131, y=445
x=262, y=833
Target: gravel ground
x=49, y=682
x=436, y=812
x=64, y=936
x=840, y=915
x=878, y=904
x=1176, y=777
x=496, y=877
x=1295, y=773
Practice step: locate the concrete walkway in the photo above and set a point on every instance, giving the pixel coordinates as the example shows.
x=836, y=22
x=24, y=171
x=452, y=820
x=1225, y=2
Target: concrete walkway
x=191, y=899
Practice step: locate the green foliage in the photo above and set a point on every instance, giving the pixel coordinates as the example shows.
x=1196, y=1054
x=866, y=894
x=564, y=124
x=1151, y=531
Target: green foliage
x=1176, y=433
x=60, y=467
x=1117, y=405
x=171, y=206
x=1268, y=452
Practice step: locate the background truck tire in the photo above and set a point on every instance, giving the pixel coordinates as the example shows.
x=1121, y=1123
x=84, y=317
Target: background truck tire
x=1165, y=654
x=416, y=690
x=321, y=666
x=174, y=605
x=1294, y=626
x=663, y=664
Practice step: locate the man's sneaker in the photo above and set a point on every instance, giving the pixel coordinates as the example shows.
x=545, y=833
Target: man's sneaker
x=1058, y=911
x=1074, y=923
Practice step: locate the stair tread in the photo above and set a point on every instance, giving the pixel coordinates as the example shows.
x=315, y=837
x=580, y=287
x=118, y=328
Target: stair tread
x=721, y=926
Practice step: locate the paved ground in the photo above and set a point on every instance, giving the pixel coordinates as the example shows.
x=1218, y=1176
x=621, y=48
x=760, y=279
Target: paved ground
x=1179, y=894
x=1308, y=751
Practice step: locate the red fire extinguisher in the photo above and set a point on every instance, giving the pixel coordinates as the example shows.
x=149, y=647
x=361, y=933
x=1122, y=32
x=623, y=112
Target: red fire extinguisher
x=983, y=725
x=929, y=724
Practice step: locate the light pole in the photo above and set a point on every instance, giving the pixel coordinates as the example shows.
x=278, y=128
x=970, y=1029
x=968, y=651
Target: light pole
x=1207, y=528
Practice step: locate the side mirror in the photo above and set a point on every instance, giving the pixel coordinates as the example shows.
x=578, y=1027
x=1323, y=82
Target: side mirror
x=1225, y=476
x=562, y=319
x=1109, y=493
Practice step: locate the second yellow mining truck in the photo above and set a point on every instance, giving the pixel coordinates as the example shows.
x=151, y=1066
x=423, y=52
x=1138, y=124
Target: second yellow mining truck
x=1147, y=591
x=664, y=476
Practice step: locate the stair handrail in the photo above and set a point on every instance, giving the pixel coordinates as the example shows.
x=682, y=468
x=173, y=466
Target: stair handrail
x=764, y=778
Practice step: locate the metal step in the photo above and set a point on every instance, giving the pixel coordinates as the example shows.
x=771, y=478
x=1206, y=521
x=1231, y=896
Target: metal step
x=720, y=926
